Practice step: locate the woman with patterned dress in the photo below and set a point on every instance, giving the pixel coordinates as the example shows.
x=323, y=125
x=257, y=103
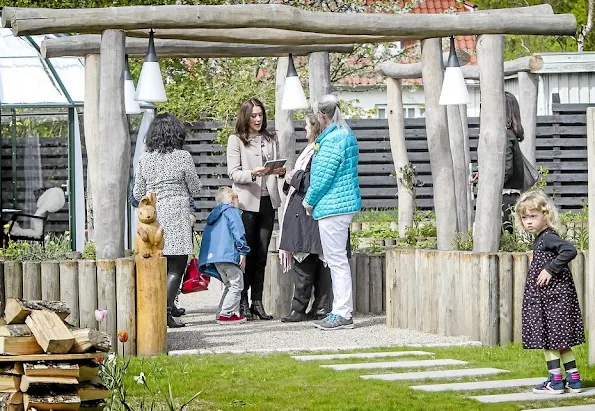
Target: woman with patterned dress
x=551, y=315
x=168, y=171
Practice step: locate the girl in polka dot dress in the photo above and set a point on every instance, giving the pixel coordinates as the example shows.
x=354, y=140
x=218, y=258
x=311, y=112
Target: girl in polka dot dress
x=551, y=317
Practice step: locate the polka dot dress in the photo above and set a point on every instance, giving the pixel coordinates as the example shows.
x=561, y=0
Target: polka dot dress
x=551, y=316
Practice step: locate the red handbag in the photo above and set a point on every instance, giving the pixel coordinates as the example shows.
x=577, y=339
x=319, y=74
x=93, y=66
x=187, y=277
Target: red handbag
x=194, y=280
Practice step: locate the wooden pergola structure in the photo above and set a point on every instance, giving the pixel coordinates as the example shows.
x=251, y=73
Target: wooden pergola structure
x=274, y=29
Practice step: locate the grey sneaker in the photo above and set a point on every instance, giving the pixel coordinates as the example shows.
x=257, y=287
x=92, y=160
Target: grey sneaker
x=334, y=322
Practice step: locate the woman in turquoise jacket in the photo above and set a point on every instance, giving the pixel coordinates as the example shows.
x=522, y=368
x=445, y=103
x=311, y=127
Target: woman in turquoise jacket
x=333, y=198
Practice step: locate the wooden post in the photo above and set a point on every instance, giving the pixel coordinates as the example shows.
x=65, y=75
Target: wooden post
x=111, y=185
x=398, y=149
x=392, y=289
x=284, y=118
x=520, y=264
x=278, y=287
x=588, y=313
x=362, y=284
x=31, y=280
x=91, y=126
x=126, y=303
x=406, y=300
x=69, y=289
x=376, y=273
x=591, y=200
x=87, y=293
x=13, y=279
x=528, y=90
x=492, y=146
x=106, y=297
x=464, y=295
x=489, y=290
x=448, y=282
x=460, y=166
x=50, y=280
x=578, y=275
x=438, y=144
x=506, y=289
x=151, y=306
x=319, y=74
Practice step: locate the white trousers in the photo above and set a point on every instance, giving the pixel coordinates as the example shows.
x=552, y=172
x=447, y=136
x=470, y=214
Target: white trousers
x=334, y=232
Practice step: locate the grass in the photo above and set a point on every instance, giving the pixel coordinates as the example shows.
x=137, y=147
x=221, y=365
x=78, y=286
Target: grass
x=277, y=382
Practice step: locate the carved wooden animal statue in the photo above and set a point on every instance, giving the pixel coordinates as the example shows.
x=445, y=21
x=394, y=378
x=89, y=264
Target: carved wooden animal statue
x=149, y=233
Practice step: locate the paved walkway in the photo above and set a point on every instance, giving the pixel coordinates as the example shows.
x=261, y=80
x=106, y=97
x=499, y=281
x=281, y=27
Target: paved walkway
x=203, y=335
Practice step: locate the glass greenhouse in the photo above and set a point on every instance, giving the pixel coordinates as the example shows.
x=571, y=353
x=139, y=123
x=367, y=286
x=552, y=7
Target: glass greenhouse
x=41, y=102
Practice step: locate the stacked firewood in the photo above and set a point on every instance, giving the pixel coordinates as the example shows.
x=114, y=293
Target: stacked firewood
x=46, y=363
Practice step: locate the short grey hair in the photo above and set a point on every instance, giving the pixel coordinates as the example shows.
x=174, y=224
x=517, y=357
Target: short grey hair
x=224, y=195
x=329, y=106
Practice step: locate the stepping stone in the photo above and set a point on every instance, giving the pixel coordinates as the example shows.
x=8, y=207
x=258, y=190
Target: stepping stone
x=530, y=396
x=422, y=375
x=567, y=408
x=479, y=385
x=327, y=357
x=393, y=364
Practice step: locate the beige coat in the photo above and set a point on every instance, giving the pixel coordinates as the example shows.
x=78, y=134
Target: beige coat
x=241, y=159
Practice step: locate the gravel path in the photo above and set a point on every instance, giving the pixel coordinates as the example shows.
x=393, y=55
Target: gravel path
x=203, y=335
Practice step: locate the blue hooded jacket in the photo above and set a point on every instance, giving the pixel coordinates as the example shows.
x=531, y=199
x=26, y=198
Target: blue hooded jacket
x=223, y=239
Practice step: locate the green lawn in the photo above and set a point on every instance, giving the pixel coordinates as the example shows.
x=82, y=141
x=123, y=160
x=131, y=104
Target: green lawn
x=277, y=382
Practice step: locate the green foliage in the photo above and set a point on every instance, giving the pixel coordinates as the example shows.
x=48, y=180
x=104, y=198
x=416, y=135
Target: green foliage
x=577, y=227
x=57, y=246
x=541, y=182
x=464, y=241
x=114, y=371
x=89, y=252
x=377, y=215
x=517, y=241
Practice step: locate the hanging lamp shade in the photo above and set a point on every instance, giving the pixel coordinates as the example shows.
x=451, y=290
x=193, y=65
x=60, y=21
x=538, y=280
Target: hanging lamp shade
x=150, y=83
x=130, y=104
x=454, y=89
x=293, y=93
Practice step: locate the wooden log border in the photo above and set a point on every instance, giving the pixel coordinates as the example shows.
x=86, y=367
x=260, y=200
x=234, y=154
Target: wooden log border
x=76, y=283
x=479, y=295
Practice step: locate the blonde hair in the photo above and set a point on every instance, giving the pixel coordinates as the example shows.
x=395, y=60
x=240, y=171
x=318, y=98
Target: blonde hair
x=315, y=127
x=224, y=195
x=536, y=200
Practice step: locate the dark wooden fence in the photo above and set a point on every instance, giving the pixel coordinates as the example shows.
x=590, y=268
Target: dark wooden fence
x=561, y=149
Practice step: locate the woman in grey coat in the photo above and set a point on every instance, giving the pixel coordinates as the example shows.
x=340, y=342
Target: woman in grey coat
x=168, y=171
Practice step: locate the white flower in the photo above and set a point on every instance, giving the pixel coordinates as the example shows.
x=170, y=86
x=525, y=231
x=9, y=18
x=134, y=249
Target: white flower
x=140, y=379
x=100, y=315
x=111, y=356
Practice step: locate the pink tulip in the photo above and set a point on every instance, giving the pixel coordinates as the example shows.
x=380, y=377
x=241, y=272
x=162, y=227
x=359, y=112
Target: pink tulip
x=100, y=315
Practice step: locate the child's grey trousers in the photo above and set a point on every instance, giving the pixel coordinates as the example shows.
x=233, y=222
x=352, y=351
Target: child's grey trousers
x=233, y=278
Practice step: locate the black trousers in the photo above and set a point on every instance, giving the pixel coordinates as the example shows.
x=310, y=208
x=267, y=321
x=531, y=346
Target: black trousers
x=259, y=227
x=311, y=272
x=508, y=202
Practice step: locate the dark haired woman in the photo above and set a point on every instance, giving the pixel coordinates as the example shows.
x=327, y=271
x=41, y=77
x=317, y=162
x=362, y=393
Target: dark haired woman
x=168, y=171
x=258, y=193
x=514, y=172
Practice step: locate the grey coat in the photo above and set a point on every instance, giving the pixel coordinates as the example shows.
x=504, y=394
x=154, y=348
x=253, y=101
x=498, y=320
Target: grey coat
x=300, y=231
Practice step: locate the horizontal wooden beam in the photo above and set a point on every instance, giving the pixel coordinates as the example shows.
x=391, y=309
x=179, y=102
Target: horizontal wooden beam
x=413, y=71
x=84, y=44
x=292, y=37
x=28, y=21
x=261, y=36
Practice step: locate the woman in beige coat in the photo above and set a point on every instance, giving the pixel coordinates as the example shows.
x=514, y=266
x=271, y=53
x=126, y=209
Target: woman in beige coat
x=257, y=188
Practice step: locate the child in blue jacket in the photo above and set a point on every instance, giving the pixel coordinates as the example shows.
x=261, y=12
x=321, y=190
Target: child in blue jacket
x=223, y=251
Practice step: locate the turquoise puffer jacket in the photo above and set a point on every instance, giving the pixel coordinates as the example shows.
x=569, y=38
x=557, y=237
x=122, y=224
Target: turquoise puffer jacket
x=334, y=187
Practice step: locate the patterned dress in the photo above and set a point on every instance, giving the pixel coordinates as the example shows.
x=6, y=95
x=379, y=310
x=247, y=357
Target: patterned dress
x=551, y=316
x=173, y=179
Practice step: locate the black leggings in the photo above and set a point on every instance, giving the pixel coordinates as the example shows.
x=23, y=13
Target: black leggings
x=259, y=227
x=176, y=266
x=508, y=202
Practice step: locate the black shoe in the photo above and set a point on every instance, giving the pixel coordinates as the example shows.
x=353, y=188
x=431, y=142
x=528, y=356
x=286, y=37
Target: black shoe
x=317, y=314
x=171, y=323
x=294, y=317
x=178, y=311
x=258, y=310
x=245, y=310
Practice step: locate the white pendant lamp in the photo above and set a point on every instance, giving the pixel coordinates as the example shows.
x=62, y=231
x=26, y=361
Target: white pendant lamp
x=293, y=93
x=454, y=89
x=130, y=104
x=150, y=83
